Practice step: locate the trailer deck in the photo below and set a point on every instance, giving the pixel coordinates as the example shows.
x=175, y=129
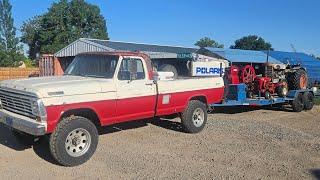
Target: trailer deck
x=237, y=97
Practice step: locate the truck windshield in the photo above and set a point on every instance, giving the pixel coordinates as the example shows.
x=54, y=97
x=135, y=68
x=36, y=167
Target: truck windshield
x=99, y=66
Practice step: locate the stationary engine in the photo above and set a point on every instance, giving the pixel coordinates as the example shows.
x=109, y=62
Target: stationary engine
x=272, y=82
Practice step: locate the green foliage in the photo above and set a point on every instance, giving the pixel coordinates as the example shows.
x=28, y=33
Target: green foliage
x=10, y=50
x=65, y=22
x=252, y=42
x=31, y=29
x=207, y=42
x=29, y=63
x=317, y=101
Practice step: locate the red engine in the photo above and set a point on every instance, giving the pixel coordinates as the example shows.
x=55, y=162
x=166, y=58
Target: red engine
x=256, y=84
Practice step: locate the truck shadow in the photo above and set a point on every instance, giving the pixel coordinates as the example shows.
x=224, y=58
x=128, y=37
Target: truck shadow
x=163, y=123
x=41, y=146
x=123, y=126
x=242, y=109
x=167, y=124
x=7, y=139
x=315, y=173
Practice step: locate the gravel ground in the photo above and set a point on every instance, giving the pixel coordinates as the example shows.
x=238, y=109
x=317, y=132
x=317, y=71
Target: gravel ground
x=260, y=144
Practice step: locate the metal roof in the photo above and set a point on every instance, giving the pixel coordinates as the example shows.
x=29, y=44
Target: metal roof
x=310, y=63
x=128, y=46
x=94, y=45
x=244, y=56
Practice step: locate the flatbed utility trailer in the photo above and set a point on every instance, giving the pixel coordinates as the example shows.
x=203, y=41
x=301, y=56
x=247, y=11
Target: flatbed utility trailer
x=237, y=96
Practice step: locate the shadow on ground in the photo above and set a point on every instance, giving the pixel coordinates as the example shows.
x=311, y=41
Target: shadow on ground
x=242, y=109
x=7, y=139
x=315, y=173
x=168, y=124
x=41, y=145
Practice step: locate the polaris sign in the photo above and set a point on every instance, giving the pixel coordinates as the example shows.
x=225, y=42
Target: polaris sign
x=213, y=68
x=209, y=71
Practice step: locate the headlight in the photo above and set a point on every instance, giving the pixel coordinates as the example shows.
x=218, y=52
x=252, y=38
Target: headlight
x=39, y=110
x=315, y=90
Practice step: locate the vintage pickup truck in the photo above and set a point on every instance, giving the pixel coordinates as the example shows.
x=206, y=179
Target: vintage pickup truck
x=100, y=89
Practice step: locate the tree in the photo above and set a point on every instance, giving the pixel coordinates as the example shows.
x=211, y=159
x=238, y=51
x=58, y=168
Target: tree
x=9, y=43
x=31, y=30
x=65, y=22
x=207, y=42
x=252, y=42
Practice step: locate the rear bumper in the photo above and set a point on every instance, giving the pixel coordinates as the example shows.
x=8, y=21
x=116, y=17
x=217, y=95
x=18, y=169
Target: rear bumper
x=22, y=123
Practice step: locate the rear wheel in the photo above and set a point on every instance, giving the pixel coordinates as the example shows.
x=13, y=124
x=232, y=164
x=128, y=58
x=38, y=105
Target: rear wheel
x=308, y=100
x=194, y=118
x=298, y=80
x=74, y=141
x=297, y=103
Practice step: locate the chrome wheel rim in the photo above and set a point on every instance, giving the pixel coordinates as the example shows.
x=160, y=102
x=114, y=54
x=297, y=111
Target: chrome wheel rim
x=78, y=142
x=198, y=117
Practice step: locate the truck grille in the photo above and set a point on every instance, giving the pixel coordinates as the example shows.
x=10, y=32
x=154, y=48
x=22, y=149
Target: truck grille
x=17, y=102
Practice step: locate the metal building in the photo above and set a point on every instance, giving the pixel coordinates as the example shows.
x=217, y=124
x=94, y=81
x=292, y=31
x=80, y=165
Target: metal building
x=94, y=45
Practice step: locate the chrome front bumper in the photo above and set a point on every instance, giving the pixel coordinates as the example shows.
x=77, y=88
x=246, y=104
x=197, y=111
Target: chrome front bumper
x=22, y=123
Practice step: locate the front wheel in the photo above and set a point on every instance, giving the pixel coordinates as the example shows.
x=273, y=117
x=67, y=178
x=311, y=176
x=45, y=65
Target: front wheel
x=74, y=141
x=194, y=118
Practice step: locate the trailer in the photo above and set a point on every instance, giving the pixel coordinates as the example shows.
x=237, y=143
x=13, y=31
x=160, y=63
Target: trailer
x=236, y=95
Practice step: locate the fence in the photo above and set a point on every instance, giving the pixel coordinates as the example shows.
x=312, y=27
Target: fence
x=16, y=73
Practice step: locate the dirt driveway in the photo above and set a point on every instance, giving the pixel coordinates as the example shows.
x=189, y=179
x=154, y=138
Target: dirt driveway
x=260, y=144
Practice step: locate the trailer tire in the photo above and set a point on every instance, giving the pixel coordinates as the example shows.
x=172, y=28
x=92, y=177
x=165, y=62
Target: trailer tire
x=74, y=141
x=194, y=118
x=169, y=68
x=308, y=100
x=297, y=103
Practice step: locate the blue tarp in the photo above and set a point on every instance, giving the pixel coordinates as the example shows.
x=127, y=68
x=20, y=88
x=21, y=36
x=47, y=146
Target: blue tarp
x=310, y=63
x=243, y=56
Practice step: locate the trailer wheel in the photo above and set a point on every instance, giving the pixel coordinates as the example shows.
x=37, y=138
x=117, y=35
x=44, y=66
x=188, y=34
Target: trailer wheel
x=297, y=103
x=169, y=68
x=308, y=100
x=74, y=141
x=194, y=118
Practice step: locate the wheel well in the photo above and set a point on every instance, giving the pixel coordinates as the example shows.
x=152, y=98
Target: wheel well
x=200, y=98
x=84, y=112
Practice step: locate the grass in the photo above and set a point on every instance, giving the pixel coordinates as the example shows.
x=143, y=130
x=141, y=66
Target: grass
x=317, y=101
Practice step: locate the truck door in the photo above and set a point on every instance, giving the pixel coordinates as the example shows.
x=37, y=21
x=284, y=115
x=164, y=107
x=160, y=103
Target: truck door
x=136, y=94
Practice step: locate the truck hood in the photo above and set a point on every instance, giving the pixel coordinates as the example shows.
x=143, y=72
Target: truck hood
x=45, y=87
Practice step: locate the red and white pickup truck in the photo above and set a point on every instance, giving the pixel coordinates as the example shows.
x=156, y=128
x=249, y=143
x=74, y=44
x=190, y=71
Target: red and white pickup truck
x=100, y=89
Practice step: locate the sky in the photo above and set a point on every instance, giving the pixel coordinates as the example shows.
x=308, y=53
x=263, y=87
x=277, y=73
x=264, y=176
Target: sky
x=183, y=22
